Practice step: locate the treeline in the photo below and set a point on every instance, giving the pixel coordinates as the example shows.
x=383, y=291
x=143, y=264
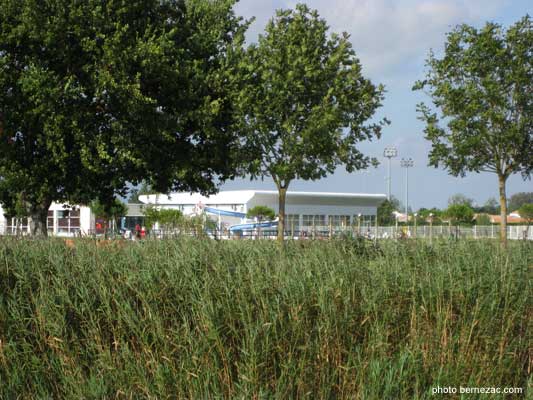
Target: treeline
x=461, y=210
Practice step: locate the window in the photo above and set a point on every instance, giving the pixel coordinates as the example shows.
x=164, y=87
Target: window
x=237, y=207
x=339, y=220
x=292, y=222
x=17, y=226
x=50, y=221
x=365, y=220
x=313, y=220
x=68, y=221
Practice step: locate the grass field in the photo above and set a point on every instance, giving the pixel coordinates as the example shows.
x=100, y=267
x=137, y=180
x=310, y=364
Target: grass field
x=238, y=319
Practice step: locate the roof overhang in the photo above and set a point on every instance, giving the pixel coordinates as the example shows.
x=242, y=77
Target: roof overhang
x=244, y=196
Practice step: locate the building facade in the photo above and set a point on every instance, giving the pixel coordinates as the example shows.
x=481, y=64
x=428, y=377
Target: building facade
x=62, y=221
x=304, y=210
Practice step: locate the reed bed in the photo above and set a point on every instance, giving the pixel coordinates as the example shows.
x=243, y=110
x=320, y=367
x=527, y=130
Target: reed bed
x=241, y=319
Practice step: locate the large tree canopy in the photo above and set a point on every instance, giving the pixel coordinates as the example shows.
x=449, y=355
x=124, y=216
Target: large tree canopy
x=98, y=94
x=482, y=89
x=305, y=103
x=517, y=200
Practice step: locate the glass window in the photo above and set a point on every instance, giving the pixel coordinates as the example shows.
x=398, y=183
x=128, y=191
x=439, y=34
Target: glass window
x=17, y=225
x=314, y=220
x=68, y=220
x=237, y=207
x=366, y=220
x=292, y=222
x=339, y=220
x=50, y=221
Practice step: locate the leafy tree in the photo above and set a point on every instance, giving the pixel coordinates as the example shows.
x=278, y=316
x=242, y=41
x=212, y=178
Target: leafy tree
x=385, y=211
x=526, y=212
x=420, y=219
x=304, y=103
x=482, y=219
x=517, y=200
x=460, y=199
x=97, y=95
x=168, y=219
x=172, y=220
x=434, y=213
x=490, y=207
x=110, y=212
x=139, y=191
x=459, y=214
x=261, y=213
x=483, y=88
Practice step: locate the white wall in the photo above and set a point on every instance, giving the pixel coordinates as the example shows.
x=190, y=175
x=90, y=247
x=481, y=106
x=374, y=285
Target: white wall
x=315, y=209
x=86, y=220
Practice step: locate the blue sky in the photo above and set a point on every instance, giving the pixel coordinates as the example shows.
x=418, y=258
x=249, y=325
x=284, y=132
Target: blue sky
x=392, y=39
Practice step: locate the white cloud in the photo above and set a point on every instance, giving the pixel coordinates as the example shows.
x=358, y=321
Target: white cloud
x=387, y=34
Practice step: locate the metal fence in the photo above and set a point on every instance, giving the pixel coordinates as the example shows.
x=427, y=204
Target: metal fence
x=514, y=232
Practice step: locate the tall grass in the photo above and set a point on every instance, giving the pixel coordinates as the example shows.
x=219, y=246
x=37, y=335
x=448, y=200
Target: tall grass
x=205, y=319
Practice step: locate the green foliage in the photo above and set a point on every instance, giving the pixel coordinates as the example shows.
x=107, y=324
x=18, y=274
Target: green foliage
x=173, y=221
x=304, y=103
x=385, y=211
x=193, y=319
x=460, y=199
x=460, y=214
x=482, y=92
x=261, y=213
x=425, y=214
x=482, y=219
x=109, y=211
x=490, y=207
x=526, y=212
x=168, y=219
x=99, y=94
x=517, y=200
x=139, y=191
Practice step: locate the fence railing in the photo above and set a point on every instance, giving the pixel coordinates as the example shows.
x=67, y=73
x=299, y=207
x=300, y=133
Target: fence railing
x=514, y=232
x=380, y=232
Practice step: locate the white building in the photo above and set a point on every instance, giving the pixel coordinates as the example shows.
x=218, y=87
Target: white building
x=62, y=221
x=304, y=210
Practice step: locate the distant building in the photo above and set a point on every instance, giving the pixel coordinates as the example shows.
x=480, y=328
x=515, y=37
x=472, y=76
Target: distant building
x=303, y=210
x=62, y=221
x=513, y=218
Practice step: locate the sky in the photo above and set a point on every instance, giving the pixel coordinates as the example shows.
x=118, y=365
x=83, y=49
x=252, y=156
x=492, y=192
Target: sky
x=392, y=39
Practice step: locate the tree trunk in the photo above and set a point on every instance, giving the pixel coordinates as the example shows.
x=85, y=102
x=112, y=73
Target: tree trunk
x=39, y=215
x=282, y=194
x=503, y=210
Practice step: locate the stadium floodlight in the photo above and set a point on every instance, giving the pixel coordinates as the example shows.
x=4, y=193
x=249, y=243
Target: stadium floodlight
x=390, y=152
x=407, y=163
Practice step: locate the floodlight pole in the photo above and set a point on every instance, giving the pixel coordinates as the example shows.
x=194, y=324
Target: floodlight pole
x=389, y=152
x=406, y=163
